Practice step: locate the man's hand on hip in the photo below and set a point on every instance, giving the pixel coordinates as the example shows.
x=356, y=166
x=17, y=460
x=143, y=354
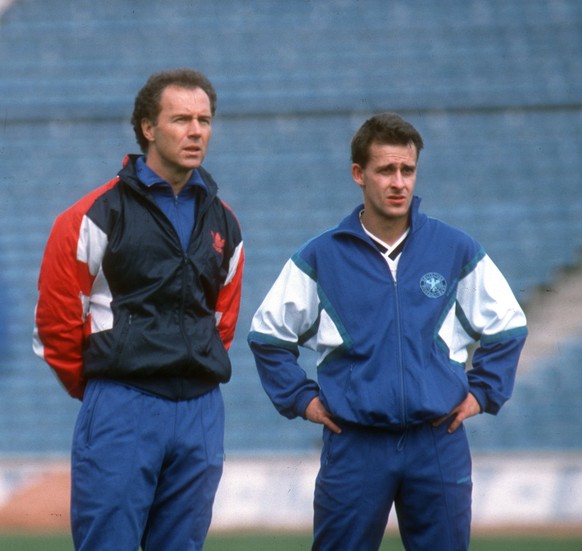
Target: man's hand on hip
x=467, y=408
x=316, y=413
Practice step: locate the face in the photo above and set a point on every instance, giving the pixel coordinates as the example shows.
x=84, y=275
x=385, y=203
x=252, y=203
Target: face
x=178, y=140
x=387, y=182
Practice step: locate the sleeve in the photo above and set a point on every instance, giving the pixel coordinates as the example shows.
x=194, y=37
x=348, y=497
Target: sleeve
x=228, y=302
x=491, y=314
x=288, y=313
x=60, y=317
x=71, y=262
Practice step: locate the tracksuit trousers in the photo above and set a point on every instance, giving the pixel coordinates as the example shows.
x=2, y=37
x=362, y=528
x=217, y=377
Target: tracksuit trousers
x=145, y=470
x=424, y=471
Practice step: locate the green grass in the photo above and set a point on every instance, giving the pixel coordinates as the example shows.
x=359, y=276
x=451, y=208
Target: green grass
x=301, y=542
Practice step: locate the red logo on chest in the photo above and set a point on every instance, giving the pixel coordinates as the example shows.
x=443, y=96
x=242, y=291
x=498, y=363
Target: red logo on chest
x=217, y=242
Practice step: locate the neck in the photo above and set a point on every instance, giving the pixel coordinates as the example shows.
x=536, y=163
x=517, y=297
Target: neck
x=177, y=185
x=176, y=178
x=389, y=231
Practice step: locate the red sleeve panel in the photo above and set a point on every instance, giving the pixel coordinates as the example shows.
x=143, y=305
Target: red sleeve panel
x=228, y=302
x=64, y=285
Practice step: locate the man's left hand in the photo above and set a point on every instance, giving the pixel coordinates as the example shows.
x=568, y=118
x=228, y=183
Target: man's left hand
x=467, y=408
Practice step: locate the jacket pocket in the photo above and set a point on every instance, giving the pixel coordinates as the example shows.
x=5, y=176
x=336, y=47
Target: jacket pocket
x=104, y=351
x=121, y=339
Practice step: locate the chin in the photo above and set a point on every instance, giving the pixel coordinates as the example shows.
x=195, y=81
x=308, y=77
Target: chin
x=192, y=165
x=396, y=213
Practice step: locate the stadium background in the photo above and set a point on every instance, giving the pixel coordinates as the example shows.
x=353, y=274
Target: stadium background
x=495, y=88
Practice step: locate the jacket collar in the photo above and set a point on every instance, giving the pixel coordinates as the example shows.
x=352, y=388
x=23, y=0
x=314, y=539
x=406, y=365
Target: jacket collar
x=351, y=223
x=149, y=178
x=128, y=175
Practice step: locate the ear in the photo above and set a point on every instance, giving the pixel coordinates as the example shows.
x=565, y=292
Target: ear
x=147, y=129
x=357, y=174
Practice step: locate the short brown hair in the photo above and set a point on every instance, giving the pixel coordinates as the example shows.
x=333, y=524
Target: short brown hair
x=385, y=128
x=147, y=101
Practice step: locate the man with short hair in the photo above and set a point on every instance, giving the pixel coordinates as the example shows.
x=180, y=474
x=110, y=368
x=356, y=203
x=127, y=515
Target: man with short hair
x=391, y=300
x=139, y=294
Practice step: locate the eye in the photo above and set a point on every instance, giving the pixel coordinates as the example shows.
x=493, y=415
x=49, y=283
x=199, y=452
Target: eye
x=387, y=170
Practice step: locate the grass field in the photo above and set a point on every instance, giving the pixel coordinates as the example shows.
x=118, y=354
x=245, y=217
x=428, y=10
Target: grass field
x=294, y=542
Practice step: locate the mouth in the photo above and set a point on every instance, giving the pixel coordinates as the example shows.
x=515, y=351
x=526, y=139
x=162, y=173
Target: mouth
x=193, y=152
x=396, y=199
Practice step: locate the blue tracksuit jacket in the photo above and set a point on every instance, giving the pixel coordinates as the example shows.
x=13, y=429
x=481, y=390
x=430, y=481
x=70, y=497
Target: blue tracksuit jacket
x=389, y=353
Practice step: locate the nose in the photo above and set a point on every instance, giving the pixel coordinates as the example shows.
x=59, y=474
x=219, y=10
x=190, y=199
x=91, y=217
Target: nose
x=195, y=128
x=397, y=179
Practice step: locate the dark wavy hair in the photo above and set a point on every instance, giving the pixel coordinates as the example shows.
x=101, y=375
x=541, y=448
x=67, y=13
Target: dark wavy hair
x=384, y=129
x=147, y=101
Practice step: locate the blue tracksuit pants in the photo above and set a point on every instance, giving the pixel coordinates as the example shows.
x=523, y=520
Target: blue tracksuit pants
x=424, y=471
x=145, y=470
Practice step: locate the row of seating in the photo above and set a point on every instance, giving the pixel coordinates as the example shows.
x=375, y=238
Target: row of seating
x=493, y=87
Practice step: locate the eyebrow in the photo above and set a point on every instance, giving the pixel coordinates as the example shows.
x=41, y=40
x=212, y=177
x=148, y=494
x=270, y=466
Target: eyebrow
x=395, y=164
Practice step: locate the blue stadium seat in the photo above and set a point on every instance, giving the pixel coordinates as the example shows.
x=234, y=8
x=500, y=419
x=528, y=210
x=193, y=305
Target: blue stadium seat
x=493, y=87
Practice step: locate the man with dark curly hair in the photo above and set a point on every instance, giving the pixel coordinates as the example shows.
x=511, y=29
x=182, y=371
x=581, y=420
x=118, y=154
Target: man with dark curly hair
x=139, y=295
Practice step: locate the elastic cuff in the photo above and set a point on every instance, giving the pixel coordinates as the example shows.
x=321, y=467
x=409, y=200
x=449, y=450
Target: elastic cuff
x=304, y=400
x=481, y=399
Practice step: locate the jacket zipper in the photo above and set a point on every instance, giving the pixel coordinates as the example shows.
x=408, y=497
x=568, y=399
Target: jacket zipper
x=400, y=359
x=394, y=279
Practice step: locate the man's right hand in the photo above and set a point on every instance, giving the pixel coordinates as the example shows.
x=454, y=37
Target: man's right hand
x=316, y=413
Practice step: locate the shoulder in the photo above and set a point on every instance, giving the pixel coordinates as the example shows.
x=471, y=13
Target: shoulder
x=319, y=242
x=439, y=240
x=216, y=201
x=224, y=215
x=437, y=231
x=450, y=233
x=75, y=213
x=227, y=209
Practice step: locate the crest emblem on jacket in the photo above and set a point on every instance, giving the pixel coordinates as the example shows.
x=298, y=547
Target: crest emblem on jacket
x=217, y=242
x=433, y=285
